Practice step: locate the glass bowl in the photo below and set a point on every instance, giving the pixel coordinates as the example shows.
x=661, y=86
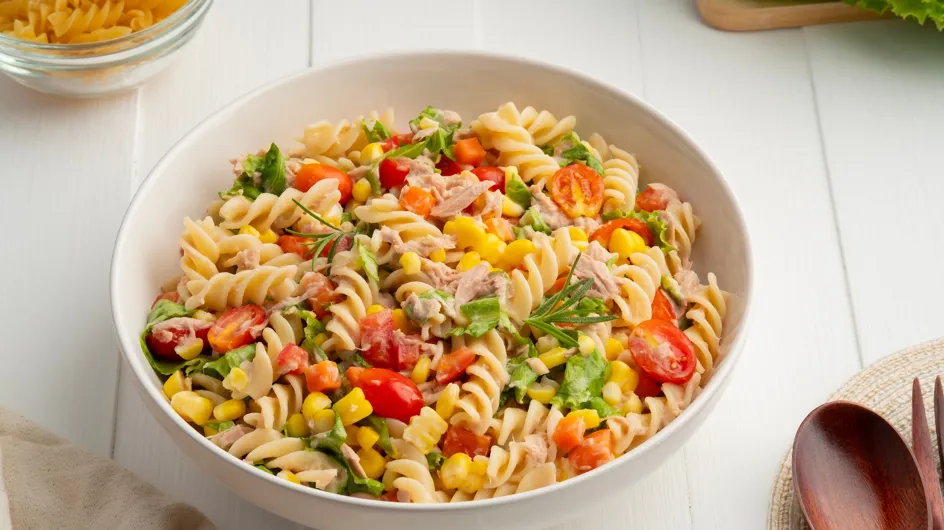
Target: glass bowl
x=97, y=69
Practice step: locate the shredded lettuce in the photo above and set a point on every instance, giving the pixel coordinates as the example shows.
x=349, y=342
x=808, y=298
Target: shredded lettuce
x=429, y=112
x=435, y=460
x=436, y=294
x=374, y=131
x=406, y=151
x=603, y=408
x=273, y=171
x=232, y=359
x=583, y=381
x=533, y=219
x=521, y=377
x=313, y=327
x=920, y=10
x=220, y=426
x=484, y=314
x=579, y=152
x=380, y=425
x=164, y=310
x=515, y=188
x=331, y=441
x=658, y=226
x=368, y=260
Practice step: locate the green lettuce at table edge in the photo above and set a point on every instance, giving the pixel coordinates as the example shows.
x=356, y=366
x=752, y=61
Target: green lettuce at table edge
x=920, y=10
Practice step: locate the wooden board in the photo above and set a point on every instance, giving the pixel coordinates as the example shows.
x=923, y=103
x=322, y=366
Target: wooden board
x=752, y=15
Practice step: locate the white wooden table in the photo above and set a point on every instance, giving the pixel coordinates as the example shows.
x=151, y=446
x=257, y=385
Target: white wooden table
x=830, y=136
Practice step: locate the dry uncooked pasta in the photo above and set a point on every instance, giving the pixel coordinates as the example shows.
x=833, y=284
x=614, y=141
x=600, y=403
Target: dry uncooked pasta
x=80, y=21
x=444, y=314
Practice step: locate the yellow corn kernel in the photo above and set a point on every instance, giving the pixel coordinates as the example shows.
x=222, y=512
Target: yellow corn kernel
x=546, y=343
x=192, y=407
x=410, y=261
x=320, y=339
x=577, y=234
x=209, y=431
x=371, y=152
x=353, y=407
x=624, y=243
x=314, y=402
x=400, y=320
x=289, y=476
x=613, y=349
x=580, y=245
x=438, y=255
x=367, y=437
x=230, y=410
x=268, y=236
x=591, y=419
x=205, y=316
x=468, y=261
x=249, y=229
x=472, y=483
x=296, y=426
x=322, y=421
x=449, y=228
x=585, y=345
x=469, y=233
x=632, y=405
x=455, y=470
x=376, y=308
x=372, y=462
x=237, y=380
x=176, y=383
x=361, y=190
x=542, y=393
x=492, y=249
x=446, y=404
x=553, y=357
x=623, y=375
x=189, y=349
x=510, y=208
x=515, y=252
x=612, y=393
x=428, y=123
x=420, y=372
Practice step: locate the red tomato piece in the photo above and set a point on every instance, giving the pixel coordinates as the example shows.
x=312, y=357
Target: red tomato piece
x=390, y=394
x=377, y=344
x=407, y=348
x=577, y=190
x=663, y=308
x=309, y=174
x=469, y=151
x=453, y=365
x=294, y=244
x=491, y=174
x=396, y=141
x=647, y=387
x=236, y=327
x=164, y=337
x=461, y=440
x=169, y=295
x=603, y=234
x=569, y=432
x=393, y=172
x=650, y=200
x=448, y=167
x=292, y=360
x=321, y=292
x=662, y=351
x=595, y=450
x=418, y=201
x=323, y=377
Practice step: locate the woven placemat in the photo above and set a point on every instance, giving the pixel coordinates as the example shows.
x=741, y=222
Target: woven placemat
x=884, y=387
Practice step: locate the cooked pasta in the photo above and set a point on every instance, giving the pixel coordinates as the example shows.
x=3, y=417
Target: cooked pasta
x=81, y=21
x=373, y=316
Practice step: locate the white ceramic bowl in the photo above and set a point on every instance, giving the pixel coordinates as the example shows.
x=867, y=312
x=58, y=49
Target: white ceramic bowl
x=188, y=177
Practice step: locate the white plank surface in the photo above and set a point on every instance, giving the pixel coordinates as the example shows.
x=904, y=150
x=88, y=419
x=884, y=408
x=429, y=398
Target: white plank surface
x=828, y=135
x=230, y=56
x=879, y=87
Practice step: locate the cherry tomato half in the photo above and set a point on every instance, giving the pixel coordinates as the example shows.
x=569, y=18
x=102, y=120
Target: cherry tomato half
x=383, y=348
x=390, y=394
x=292, y=360
x=647, y=387
x=595, y=450
x=236, y=327
x=662, y=351
x=448, y=167
x=577, y=190
x=461, y=440
x=309, y=174
x=650, y=200
x=469, y=151
x=393, y=172
x=453, y=365
x=663, y=308
x=173, y=296
x=321, y=290
x=492, y=174
x=603, y=234
x=418, y=201
x=396, y=141
x=164, y=337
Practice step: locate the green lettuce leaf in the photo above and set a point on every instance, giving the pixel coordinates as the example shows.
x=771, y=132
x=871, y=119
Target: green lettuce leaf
x=243, y=186
x=436, y=294
x=429, y=112
x=671, y=288
x=533, y=219
x=220, y=426
x=658, y=227
x=312, y=328
x=484, y=314
x=515, y=188
x=604, y=409
x=330, y=442
x=368, y=260
x=163, y=310
x=583, y=381
x=435, y=460
x=594, y=305
x=920, y=10
x=521, y=377
x=358, y=360
x=380, y=425
x=374, y=131
x=406, y=151
x=579, y=152
x=261, y=467
x=233, y=358
x=273, y=171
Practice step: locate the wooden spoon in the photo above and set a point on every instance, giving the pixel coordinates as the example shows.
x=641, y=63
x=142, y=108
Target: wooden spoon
x=853, y=471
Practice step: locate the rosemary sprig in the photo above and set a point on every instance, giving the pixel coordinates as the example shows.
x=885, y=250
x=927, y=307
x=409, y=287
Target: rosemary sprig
x=562, y=308
x=320, y=241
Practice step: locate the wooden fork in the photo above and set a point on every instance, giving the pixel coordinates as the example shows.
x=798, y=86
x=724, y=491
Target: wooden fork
x=923, y=451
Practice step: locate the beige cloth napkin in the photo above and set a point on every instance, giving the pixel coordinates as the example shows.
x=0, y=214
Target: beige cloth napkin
x=47, y=483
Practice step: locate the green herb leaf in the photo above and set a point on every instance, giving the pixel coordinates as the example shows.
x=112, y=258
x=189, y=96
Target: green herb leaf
x=380, y=425
x=368, y=260
x=330, y=442
x=358, y=360
x=163, y=310
x=515, y=188
x=232, y=359
x=346, y=217
x=435, y=460
x=592, y=305
x=273, y=172
x=583, y=380
x=658, y=227
x=374, y=131
x=407, y=151
x=373, y=177
x=533, y=219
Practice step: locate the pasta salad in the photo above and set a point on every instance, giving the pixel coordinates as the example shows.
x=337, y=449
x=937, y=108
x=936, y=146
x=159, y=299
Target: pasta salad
x=442, y=314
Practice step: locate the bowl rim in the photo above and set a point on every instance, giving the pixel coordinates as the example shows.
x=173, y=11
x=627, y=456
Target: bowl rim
x=706, y=397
